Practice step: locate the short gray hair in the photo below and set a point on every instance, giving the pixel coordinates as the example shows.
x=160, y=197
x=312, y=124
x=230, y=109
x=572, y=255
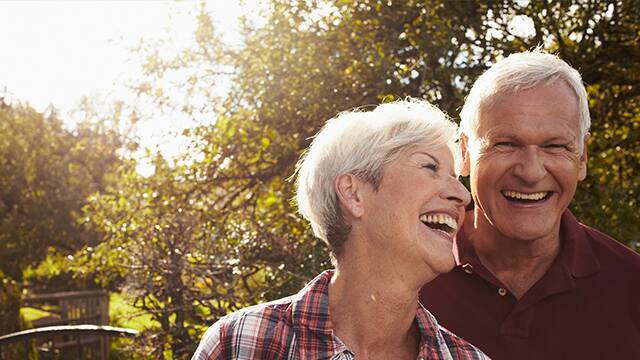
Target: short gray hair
x=360, y=143
x=522, y=71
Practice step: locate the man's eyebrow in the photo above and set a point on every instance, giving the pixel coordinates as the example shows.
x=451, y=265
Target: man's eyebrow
x=496, y=134
x=500, y=134
x=561, y=138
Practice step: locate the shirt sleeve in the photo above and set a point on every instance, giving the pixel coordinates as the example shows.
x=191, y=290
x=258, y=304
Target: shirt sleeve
x=210, y=347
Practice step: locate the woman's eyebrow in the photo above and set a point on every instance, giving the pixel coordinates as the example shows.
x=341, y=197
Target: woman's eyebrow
x=453, y=174
x=429, y=155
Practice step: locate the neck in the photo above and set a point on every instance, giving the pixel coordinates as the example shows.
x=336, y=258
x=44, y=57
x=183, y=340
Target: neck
x=372, y=311
x=517, y=263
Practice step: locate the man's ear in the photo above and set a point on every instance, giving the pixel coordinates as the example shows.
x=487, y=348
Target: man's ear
x=465, y=164
x=348, y=188
x=582, y=170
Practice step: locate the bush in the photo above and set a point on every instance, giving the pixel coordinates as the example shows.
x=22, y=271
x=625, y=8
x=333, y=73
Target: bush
x=55, y=274
x=11, y=319
x=9, y=305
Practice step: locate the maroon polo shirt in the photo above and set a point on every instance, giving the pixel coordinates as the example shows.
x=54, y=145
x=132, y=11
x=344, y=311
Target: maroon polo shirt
x=586, y=306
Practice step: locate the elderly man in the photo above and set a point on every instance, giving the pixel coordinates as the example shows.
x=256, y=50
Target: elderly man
x=532, y=282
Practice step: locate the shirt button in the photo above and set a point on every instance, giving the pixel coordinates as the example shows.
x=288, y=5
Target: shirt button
x=502, y=291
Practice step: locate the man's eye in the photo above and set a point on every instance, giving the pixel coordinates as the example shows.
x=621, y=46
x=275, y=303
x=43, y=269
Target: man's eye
x=556, y=146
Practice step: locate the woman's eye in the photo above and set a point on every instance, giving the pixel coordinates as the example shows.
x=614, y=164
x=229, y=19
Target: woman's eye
x=432, y=167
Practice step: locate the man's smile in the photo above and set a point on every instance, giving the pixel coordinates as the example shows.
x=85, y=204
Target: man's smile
x=527, y=198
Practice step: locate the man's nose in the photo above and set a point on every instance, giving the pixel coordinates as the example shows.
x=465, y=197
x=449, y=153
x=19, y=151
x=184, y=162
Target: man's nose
x=530, y=167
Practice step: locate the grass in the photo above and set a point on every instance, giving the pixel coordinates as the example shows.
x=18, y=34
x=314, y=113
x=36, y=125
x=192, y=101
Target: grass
x=29, y=314
x=121, y=313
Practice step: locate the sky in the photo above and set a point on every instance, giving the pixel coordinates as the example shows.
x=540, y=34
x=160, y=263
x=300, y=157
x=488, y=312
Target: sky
x=56, y=52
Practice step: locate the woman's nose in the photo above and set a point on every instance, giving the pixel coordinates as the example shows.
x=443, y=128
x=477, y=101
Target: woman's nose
x=456, y=192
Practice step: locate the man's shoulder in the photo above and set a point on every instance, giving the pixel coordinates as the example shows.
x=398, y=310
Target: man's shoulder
x=611, y=251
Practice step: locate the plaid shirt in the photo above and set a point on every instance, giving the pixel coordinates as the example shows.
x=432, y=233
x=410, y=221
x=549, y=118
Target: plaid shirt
x=299, y=327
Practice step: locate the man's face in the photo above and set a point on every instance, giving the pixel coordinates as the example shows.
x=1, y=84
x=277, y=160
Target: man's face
x=525, y=162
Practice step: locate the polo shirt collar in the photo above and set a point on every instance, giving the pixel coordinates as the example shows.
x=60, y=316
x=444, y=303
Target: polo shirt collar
x=576, y=254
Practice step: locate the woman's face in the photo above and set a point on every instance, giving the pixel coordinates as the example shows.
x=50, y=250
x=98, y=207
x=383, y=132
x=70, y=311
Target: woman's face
x=416, y=211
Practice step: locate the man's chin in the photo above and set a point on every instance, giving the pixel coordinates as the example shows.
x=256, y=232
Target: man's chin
x=527, y=232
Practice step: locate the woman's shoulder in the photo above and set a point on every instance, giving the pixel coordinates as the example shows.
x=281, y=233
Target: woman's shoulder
x=242, y=331
x=274, y=311
x=460, y=347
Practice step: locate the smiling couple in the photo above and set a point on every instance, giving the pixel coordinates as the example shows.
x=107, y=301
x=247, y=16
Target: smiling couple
x=381, y=188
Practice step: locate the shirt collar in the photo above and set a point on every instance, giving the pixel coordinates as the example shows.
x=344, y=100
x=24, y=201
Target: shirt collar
x=312, y=323
x=576, y=254
x=431, y=340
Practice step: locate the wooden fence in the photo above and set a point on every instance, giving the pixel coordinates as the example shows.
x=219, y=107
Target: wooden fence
x=77, y=324
x=79, y=332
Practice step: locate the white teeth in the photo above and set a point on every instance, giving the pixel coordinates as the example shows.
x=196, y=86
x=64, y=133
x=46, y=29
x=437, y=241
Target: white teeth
x=440, y=219
x=519, y=195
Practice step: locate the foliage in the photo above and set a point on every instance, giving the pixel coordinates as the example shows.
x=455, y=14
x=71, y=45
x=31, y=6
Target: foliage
x=12, y=320
x=48, y=172
x=123, y=314
x=9, y=305
x=312, y=59
x=165, y=238
x=218, y=231
x=56, y=273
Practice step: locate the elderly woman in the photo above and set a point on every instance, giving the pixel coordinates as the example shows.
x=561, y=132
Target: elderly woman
x=380, y=188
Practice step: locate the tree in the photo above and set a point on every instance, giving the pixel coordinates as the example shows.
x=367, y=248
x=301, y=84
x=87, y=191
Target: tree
x=48, y=172
x=170, y=246
x=11, y=319
x=229, y=209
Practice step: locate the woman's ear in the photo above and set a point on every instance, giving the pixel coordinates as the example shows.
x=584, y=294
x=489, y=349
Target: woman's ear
x=348, y=188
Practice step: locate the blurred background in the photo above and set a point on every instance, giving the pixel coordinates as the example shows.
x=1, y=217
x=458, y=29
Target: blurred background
x=146, y=146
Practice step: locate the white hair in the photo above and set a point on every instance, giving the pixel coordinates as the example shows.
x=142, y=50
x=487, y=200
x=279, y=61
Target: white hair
x=517, y=72
x=361, y=143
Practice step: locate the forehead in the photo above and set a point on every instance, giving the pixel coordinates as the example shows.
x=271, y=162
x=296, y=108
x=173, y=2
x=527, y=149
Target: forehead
x=542, y=111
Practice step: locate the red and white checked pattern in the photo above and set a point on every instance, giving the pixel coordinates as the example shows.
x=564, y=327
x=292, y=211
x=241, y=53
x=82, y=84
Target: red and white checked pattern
x=299, y=327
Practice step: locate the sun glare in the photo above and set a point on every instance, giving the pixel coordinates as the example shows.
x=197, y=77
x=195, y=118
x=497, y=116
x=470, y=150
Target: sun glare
x=56, y=52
